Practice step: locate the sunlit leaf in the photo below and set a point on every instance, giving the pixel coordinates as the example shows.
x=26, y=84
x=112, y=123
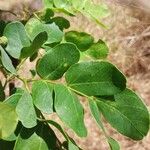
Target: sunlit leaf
x=8, y=120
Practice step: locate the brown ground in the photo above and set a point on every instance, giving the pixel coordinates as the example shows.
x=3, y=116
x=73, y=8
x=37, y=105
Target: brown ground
x=129, y=42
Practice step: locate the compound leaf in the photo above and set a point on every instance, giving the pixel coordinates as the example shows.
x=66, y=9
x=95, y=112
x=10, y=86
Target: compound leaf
x=57, y=61
x=69, y=109
x=95, y=78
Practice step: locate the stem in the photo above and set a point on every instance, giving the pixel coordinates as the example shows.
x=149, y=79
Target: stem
x=25, y=83
x=21, y=63
x=8, y=80
x=36, y=16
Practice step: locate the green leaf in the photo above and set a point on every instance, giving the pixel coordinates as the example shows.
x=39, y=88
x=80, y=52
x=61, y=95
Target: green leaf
x=95, y=78
x=71, y=146
x=56, y=125
x=114, y=145
x=81, y=39
x=64, y=5
x=34, y=27
x=78, y=4
x=61, y=22
x=6, y=61
x=48, y=3
x=41, y=137
x=42, y=93
x=98, y=50
x=8, y=120
x=33, y=73
x=127, y=114
x=57, y=61
x=2, y=93
x=33, y=57
x=46, y=15
x=69, y=109
x=96, y=114
x=34, y=142
x=13, y=99
x=97, y=11
x=25, y=110
x=17, y=38
x=39, y=40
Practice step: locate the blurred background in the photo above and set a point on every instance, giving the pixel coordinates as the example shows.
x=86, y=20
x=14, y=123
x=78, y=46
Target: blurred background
x=128, y=37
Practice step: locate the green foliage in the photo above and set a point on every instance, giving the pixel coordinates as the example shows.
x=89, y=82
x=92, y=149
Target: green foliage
x=34, y=27
x=6, y=61
x=23, y=124
x=81, y=39
x=26, y=113
x=124, y=118
x=98, y=50
x=69, y=109
x=59, y=58
x=93, y=78
x=42, y=93
x=17, y=38
x=7, y=125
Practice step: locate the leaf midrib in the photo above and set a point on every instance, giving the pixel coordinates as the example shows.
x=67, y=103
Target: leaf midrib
x=122, y=115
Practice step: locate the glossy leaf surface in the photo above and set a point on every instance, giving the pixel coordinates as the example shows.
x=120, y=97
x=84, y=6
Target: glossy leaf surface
x=57, y=61
x=95, y=78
